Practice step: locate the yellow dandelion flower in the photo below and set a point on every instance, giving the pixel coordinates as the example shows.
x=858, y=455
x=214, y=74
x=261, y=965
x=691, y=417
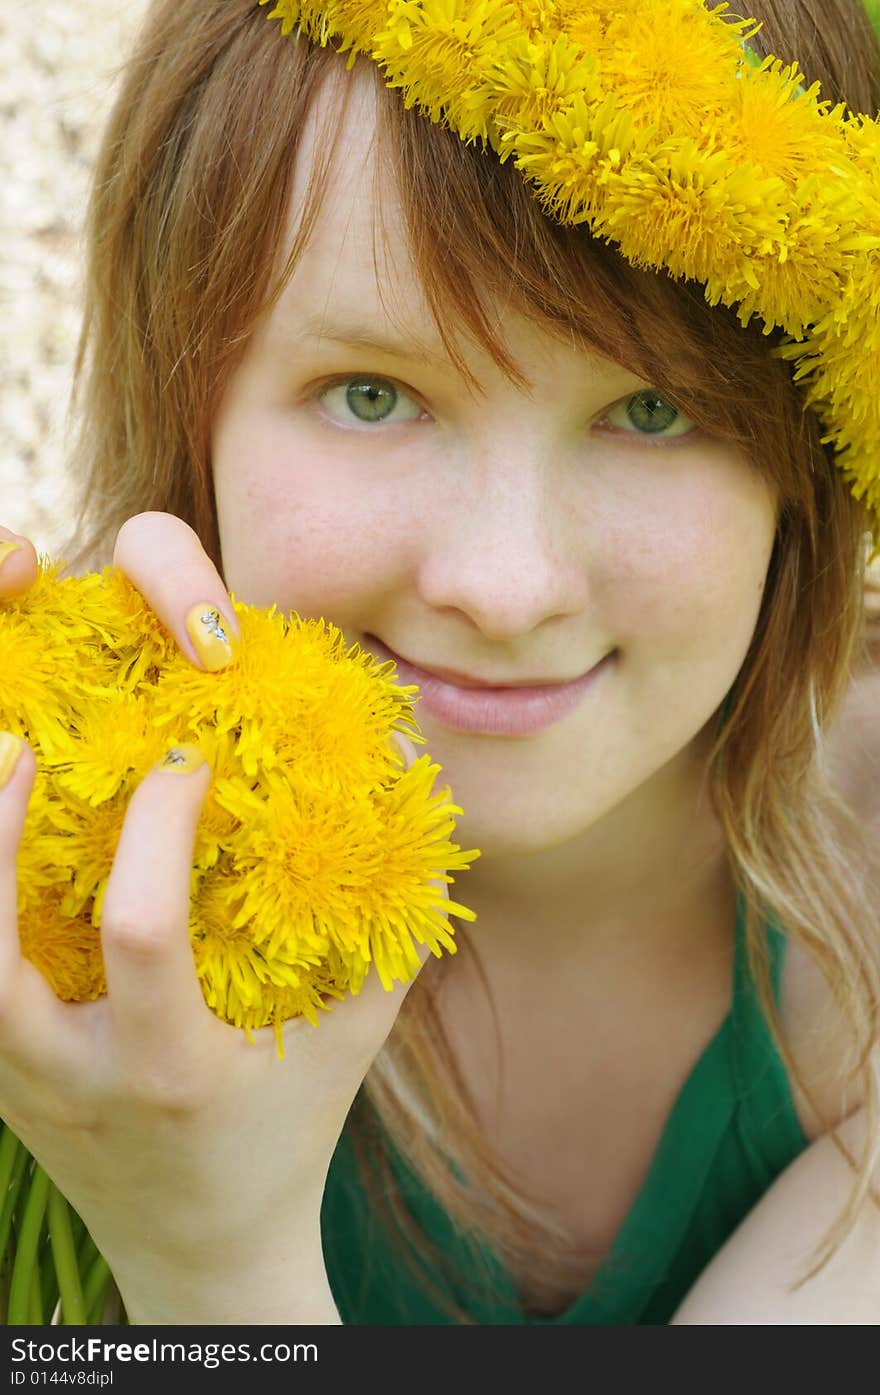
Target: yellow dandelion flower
x=562, y=161
x=861, y=138
x=236, y=700
x=532, y=88
x=132, y=638
x=348, y=24
x=312, y=850
x=288, y=11
x=576, y=156
x=292, y=688
x=81, y=840
x=790, y=279
x=117, y=742
x=773, y=123
x=316, y=854
x=36, y=866
x=444, y=54
x=234, y=971
x=839, y=366
x=537, y=17
x=65, y=948
x=689, y=211
x=671, y=63
x=358, y=698
x=25, y=672
x=584, y=24
x=217, y=826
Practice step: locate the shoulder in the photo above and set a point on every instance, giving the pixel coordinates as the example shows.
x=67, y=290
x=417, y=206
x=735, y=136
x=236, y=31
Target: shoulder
x=813, y=1025
x=752, y=1280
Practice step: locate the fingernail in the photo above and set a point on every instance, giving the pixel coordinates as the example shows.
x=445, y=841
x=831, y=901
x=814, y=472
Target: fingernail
x=404, y=748
x=182, y=759
x=11, y=748
x=7, y=549
x=211, y=634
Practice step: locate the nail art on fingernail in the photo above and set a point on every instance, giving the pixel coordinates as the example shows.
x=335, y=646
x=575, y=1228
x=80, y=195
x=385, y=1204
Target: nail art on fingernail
x=11, y=748
x=211, y=634
x=182, y=758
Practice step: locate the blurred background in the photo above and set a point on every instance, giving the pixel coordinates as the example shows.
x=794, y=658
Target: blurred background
x=58, y=62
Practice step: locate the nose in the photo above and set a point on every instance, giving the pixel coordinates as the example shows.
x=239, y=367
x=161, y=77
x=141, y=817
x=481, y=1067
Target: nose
x=503, y=545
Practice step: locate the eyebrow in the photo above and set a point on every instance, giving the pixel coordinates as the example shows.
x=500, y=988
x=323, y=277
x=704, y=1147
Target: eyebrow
x=350, y=335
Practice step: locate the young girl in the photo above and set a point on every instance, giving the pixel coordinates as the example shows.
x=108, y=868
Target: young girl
x=338, y=356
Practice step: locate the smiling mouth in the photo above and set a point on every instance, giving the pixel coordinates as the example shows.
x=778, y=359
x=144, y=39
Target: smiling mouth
x=520, y=710
x=463, y=680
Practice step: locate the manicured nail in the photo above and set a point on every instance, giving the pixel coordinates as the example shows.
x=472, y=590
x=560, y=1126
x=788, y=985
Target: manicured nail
x=7, y=549
x=211, y=634
x=11, y=748
x=182, y=758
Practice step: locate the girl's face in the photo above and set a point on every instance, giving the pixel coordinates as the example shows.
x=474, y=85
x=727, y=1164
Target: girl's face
x=503, y=533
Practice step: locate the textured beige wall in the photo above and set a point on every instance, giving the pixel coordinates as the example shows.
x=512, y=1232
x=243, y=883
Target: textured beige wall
x=56, y=81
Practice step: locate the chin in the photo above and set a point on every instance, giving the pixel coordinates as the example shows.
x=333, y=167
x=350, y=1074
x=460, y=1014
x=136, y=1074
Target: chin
x=522, y=820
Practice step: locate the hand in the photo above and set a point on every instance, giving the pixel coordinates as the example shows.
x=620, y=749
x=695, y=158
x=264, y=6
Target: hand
x=196, y=1159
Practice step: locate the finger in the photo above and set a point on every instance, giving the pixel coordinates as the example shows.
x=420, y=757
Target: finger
x=406, y=748
x=18, y=769
x=18, y=563
x=154, y=997
x=163, y=557
x=33, y=1021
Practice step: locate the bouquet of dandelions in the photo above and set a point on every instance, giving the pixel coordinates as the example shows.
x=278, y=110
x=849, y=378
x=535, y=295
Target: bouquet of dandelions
x=317, y=854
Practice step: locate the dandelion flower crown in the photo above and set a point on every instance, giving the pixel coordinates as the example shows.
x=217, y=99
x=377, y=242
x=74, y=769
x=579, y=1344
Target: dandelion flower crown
x=654, y=123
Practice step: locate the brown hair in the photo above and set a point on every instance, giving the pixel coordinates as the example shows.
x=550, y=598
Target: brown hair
x=185, y=225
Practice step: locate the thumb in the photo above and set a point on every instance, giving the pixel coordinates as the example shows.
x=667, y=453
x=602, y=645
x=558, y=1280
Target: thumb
x=18, y=564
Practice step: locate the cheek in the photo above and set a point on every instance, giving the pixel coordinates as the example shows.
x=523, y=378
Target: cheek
x=689, y=577
x=303, y=537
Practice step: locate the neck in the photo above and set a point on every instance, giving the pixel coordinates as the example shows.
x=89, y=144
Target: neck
x=647, y=880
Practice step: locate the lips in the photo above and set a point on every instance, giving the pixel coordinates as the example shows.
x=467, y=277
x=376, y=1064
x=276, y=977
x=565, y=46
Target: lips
x=509, y=710
x=463, y=680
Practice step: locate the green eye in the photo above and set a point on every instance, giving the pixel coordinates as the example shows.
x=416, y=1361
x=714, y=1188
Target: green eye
x=369, y=400
x=649, y=414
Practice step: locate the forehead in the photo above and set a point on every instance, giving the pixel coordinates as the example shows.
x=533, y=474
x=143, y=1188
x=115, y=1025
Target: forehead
x=356, y=254
x=355, y=277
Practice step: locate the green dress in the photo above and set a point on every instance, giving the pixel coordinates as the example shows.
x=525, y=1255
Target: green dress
x=731, y=1131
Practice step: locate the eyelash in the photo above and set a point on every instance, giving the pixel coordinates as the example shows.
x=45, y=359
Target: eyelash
x=322, y=389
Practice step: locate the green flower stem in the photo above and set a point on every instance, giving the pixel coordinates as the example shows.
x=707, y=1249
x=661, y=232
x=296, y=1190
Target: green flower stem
x=9, y=1149
x=48, y=1277
x=25, y=1269
x=37, y=1310
x=10, y=1201
x=86, y=1253
x=77, y=1228
x=97, y=1282
x=73, y=1307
